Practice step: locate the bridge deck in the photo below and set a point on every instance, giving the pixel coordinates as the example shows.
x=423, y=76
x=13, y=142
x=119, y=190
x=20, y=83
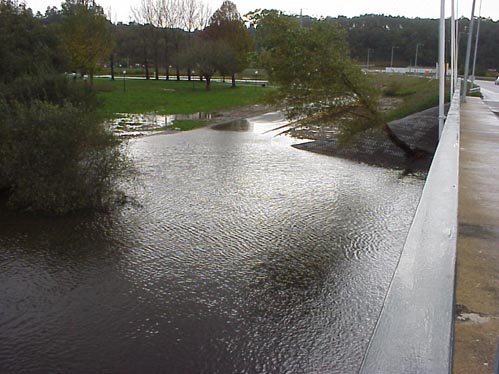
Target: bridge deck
x=477, y=293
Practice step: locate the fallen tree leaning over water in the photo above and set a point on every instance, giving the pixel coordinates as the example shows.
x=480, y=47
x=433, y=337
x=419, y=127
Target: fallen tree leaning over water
x=318, y=82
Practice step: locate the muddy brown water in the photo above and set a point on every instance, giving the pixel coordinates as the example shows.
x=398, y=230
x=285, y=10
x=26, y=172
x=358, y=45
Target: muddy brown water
x=245, y=255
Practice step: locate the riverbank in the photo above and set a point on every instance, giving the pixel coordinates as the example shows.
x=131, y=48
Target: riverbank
x=373, y=147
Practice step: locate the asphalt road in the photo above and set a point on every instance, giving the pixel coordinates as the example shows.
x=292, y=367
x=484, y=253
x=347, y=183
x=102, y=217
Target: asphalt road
x=490, y=94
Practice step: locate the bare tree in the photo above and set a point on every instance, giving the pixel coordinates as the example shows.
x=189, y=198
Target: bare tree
x=195, y=15
x=148, y=13
x=170, y=17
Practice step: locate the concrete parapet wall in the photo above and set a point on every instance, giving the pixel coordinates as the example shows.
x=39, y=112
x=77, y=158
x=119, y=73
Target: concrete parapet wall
x=414, y=330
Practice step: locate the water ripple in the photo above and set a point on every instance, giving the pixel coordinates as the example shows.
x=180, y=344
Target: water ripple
x=245, y=255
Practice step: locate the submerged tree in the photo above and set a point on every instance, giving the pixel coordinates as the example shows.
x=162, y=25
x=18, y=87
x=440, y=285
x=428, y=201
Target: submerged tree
x=318, y=81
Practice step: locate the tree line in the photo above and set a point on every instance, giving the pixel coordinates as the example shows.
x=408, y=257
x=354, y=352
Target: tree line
x=174, y=37
x=55, y=153
x=380, y=35
x=167, y=37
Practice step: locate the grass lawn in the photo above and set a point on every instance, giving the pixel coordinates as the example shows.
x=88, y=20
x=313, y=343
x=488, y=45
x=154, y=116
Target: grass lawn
x=415, y=94
x=173, y=97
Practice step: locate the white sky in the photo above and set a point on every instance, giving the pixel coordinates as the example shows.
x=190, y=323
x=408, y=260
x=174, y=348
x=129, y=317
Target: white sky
x=120, y=9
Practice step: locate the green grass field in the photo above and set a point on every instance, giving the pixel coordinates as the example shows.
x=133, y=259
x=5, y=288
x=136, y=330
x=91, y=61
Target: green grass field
x=173, y=97
x=415, y=93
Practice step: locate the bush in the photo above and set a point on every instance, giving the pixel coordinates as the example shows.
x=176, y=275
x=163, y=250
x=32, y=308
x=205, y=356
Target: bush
x=55, y=153
x=58, y=158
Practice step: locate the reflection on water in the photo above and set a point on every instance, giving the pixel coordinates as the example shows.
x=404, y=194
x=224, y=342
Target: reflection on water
x=234, y=125
x=245, y=256
x=129, y=124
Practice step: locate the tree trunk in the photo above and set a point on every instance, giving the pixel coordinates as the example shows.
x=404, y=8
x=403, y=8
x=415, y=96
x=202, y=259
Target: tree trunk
x=154, y=36
x=233, y=80
x=178, y=72
x=399, y=143
x=165, y=38
x=112, y=66
x=189, y=74
x=208, y=82
x=156, y=61
x=146, y=65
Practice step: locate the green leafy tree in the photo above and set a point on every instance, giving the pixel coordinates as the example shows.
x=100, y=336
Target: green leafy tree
x=26, y=47
x=316, y=77
x=86, y=35
x=226, y=26
x=56, y=155
x=318, y=81
x=206, y=55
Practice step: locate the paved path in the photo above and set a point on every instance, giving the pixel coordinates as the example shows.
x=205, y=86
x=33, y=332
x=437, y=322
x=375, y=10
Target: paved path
x=477, y=293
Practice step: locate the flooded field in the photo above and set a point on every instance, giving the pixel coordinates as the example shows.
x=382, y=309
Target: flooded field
x=243, y=255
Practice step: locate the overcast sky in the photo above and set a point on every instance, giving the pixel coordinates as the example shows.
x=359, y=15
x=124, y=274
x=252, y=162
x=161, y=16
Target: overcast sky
x=120, y=9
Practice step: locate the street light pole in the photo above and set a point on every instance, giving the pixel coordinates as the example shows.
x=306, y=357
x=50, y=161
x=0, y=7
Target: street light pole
x=416, y=58
x=476, y=44
x=391, y=58
x=452, y=50
x=468, y=52
x=368, y=55
x=441, y=69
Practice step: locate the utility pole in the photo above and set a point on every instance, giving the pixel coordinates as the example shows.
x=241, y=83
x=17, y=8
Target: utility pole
x=368, y=55
x=391, y=59
x=452, y=50
x=416, y=59
x=476, y=44
x=468, y=52
x=441, y=70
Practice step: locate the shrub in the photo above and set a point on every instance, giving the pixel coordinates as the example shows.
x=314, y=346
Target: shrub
x=58, y=158
x=55, y=153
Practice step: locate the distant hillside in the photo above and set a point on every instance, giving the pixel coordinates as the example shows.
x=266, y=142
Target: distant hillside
x=380, y=33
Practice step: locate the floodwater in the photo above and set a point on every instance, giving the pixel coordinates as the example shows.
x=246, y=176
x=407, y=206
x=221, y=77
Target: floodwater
x=244, y=255
x=130, y=125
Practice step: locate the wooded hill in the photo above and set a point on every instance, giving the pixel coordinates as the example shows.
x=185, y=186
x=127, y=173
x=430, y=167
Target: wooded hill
x=380, y=33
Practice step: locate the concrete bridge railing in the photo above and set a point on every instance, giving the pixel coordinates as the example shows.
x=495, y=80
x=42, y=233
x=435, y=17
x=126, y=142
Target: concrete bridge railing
x=415, y=328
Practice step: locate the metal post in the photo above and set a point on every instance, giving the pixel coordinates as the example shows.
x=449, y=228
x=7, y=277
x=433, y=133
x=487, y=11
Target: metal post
x=416, y=59
x=391, y=59
x=496, y=363
x=452, y=50
x=441, y=69
x=468, y=52
x=476, y=44
x=457, y=81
